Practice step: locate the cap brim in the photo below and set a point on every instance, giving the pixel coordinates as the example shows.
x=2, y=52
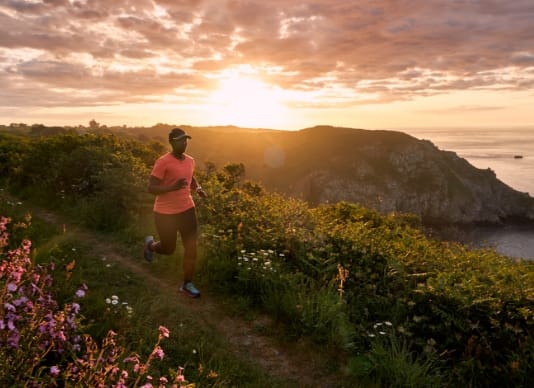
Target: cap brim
x=180, y=137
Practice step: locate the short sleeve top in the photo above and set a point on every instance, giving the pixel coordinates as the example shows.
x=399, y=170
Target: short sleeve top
x=168, y=169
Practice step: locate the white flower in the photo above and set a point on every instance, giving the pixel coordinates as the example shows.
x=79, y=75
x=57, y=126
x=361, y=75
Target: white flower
x=108, y=301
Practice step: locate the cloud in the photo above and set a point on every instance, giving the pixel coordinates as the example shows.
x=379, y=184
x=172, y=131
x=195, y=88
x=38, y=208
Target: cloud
x=373, y=51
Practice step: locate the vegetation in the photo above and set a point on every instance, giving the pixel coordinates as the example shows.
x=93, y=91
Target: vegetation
x=398, y=308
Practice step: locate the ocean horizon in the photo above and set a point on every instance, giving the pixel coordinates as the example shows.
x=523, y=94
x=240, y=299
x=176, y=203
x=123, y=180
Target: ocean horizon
x=510, y=154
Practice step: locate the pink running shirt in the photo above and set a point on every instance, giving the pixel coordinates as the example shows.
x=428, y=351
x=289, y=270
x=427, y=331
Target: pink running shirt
x=169, y=169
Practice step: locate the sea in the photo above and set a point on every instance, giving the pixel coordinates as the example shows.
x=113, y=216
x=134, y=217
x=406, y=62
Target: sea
x=509, y=152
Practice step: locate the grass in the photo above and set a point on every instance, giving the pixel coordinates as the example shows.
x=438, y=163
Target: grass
x=194, y=344
x=146, y=298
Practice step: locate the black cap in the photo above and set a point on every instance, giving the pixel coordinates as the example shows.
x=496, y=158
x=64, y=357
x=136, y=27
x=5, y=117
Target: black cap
x=177, y=134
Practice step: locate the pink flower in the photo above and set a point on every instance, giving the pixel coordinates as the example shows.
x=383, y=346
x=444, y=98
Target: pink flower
x=180, y=378
x=54, y=371
x=163, y=332
x=158, y=352
x=80, y=293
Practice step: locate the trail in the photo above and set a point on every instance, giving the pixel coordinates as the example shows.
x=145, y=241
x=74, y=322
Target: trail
x=300, y=362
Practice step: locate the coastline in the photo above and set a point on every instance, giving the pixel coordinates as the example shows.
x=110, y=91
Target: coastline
x=514, y=240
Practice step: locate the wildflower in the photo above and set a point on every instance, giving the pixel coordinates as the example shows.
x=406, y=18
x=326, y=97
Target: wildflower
x=180, y=378
x=212, y=374
x=80, y=293
x=158, y=352
x=82, y=290
x=54, y=371
x=20, y=301
x=75, y=308
x=163, y=332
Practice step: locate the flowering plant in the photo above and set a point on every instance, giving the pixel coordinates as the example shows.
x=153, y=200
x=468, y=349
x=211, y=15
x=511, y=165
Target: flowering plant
x=43, y=343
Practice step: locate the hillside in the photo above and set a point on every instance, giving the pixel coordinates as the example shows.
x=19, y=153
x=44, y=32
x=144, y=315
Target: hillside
x=390, y=306
x=386, y=170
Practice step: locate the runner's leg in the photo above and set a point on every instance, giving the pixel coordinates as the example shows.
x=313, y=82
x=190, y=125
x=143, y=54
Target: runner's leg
x=188, y=227
x=167, y=228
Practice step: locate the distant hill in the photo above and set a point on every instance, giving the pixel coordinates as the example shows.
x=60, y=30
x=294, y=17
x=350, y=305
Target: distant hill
x=386, y=170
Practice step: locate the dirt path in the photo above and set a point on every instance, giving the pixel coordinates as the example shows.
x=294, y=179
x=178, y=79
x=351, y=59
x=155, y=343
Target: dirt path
x=296, y=361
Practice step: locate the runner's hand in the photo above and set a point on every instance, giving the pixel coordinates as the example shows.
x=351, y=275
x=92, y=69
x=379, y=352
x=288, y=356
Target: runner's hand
x=180, y=184
x=201, y=193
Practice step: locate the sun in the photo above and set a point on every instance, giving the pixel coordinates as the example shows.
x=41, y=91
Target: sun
x=245, y=101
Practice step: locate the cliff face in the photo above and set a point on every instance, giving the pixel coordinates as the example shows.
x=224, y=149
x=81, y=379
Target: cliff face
x=416, y=177
x=385, y=170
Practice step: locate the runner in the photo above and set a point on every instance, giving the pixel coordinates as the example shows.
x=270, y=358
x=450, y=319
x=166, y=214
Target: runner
x=172, y=181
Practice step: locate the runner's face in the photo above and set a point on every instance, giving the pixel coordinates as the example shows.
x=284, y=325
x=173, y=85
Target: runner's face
x=179, y=146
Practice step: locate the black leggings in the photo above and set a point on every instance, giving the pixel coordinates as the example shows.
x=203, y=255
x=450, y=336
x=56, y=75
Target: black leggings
x=168, y=226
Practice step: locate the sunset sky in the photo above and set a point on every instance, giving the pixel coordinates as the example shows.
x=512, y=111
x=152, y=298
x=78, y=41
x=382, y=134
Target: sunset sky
x=278, y=64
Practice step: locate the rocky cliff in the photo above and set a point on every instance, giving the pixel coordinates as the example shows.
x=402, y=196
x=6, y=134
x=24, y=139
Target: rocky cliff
x=397, y=173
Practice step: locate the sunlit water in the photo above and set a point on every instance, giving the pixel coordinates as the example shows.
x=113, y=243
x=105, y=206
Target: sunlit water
x=510, y=154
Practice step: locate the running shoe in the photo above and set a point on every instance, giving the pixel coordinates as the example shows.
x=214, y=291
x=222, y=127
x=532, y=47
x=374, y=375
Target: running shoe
x=147, y=253
x=190, y=290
